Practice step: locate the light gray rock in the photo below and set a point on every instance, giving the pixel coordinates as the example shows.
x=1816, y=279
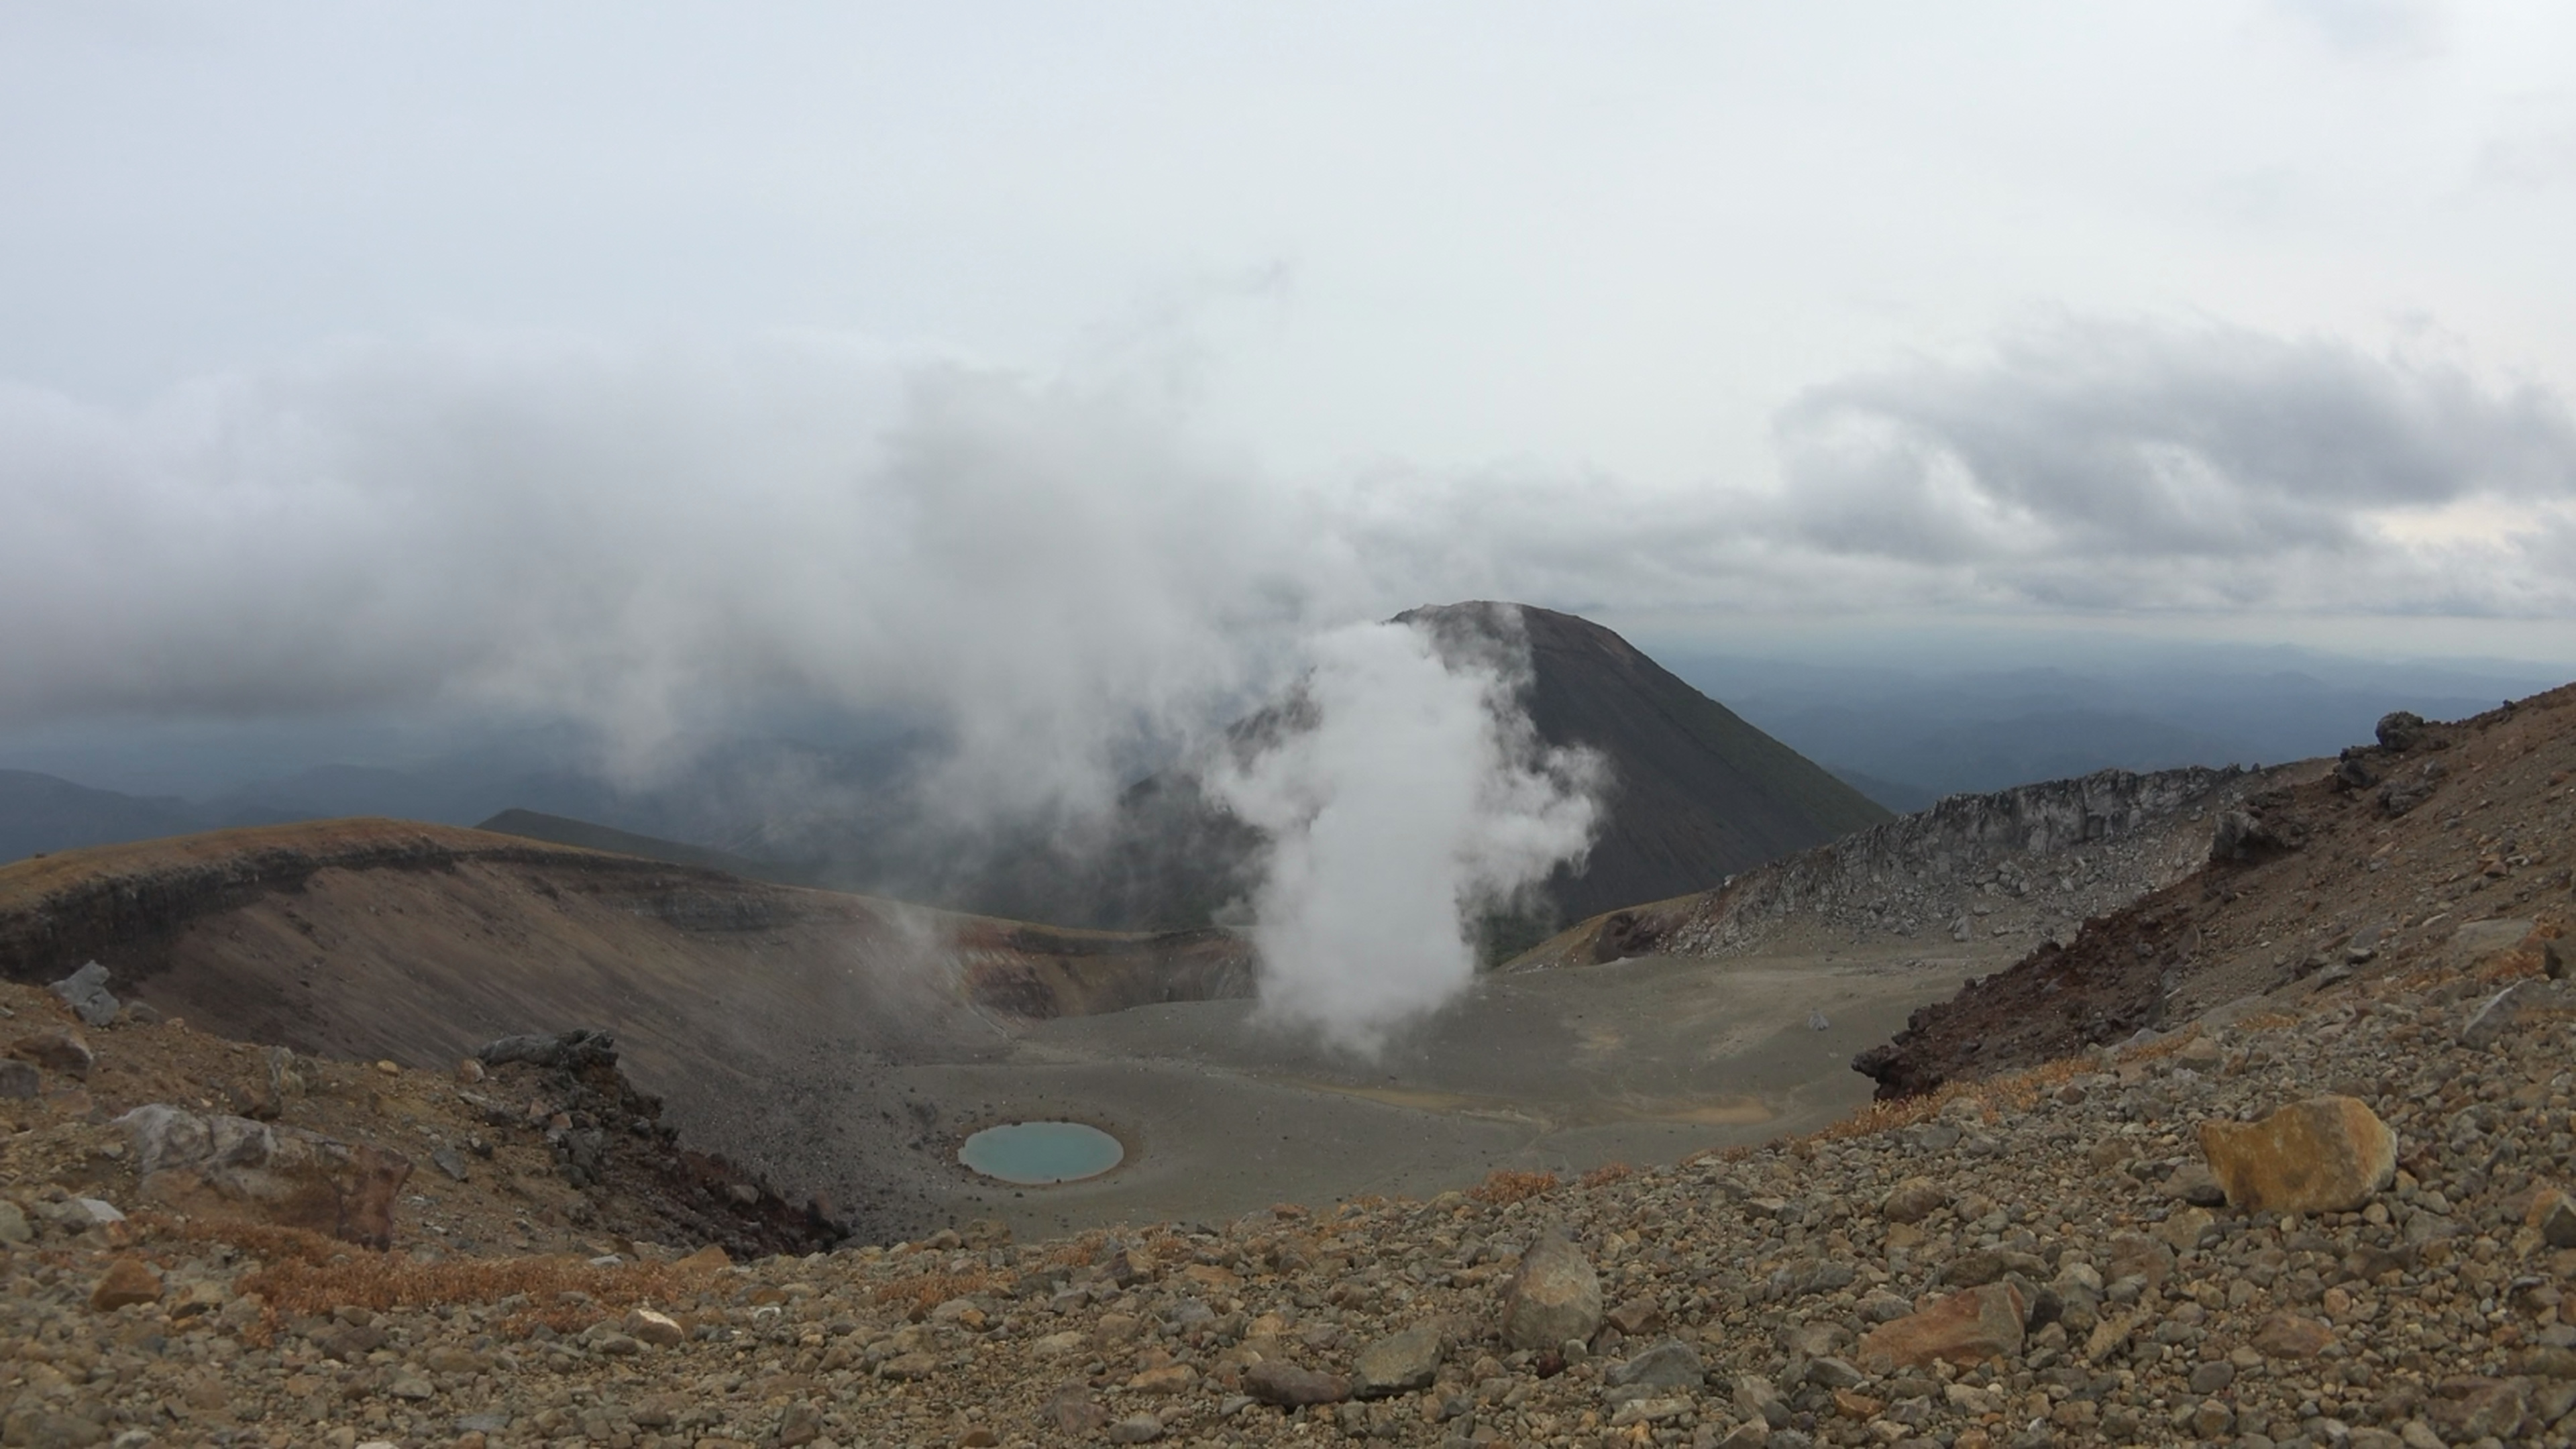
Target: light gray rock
x=2504, y=1011
x=1398, y=1363
x=1671, y=1364
x=86, y=991
x=1554, y=1295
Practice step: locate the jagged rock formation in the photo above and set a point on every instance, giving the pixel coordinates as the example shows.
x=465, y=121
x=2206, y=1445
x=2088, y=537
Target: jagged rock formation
x=2323, y=870
x=2032, y=860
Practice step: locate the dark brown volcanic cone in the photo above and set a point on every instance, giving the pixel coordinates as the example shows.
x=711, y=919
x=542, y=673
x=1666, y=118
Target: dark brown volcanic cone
x=1696, y=795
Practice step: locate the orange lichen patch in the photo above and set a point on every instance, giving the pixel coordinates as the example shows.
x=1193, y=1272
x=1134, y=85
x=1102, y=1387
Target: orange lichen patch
x=386, y=1281
x=923, y=1292
x=1504, y=1186
x=1607, y=1174
x=2266, y=1021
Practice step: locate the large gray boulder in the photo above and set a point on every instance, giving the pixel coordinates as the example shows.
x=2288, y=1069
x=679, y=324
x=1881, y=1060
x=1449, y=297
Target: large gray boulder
x=1398, y=1363
x=86, y=991
x=1552, y=1297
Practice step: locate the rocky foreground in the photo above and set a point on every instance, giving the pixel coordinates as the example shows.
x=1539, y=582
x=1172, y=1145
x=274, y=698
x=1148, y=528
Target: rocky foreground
x=2073, y=1254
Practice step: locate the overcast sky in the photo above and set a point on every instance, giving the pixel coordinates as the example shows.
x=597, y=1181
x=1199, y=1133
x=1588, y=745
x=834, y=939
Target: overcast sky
x=583, y=352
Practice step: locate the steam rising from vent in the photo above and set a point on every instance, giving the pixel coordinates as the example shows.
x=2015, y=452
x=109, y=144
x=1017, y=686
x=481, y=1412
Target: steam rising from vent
x=1410, y=796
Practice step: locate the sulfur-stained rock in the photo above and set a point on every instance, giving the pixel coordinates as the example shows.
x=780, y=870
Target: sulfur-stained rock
x=1963, y=1328
x=2327, y=1154
x=1553, y=1296
x=127, y=1280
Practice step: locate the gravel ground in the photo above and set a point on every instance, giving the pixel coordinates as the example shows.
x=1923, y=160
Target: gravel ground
x=1733, y=1292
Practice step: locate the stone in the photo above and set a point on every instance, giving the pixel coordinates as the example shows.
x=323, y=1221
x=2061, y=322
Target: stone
x=2506, y=1010
x=660, y=1330
x=448, y=1161
x=1834, y=1373
x=915, y=1365
x=1277, y=1381
x=1171, y=1378
x=2182, y=1230
x=2286, y=1335
x=2327, y=1154
x=1671, y=1364
x=234, y=1168
x=2399, y=730
x=1136, y=1429
x=802, y=1424
x=2211, y=1377
x=410, y=1384
x=1553, y=1296
x=14, y=1227
x=1962, y=1328
x=1913, y=1200
x=1756, y=1397
x=85, y=991
x=1636, y=1317
x=449, y=1359
x=127, y=1281
x=2134, y=1255
x=1058, y=1345
x=2554, y=1214
x=2194, y=1183
x=59, y=1050
x=20, y=1080
x=569, y=1051
x=1649, y=1411
x=1073, y=1413
x=1398, y=1363
x=2489, y=1409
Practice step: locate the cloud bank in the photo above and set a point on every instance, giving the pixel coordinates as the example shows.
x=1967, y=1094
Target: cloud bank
x=1067, y=578
x=2101, y=466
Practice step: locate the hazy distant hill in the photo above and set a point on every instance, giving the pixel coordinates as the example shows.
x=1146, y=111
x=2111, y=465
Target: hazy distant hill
x=563, y=830
x=1908, y=735
x=40, y=813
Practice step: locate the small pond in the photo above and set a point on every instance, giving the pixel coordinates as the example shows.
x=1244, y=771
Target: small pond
x=1037, y=1153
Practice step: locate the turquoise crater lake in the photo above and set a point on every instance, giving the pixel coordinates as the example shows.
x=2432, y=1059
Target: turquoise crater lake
x=1035, y=1154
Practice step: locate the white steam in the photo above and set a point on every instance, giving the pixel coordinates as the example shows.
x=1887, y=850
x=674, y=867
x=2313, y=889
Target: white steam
x=1418, y=798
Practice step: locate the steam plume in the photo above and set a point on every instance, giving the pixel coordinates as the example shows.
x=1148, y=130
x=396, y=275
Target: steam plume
x=1417, y=798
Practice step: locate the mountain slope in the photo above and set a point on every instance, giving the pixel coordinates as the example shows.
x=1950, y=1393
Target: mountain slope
x=752, y=1008
x=1697, y=794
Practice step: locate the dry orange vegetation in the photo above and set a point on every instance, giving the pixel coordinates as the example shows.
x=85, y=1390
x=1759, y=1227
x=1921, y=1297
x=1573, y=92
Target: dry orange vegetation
x=1507, y=1186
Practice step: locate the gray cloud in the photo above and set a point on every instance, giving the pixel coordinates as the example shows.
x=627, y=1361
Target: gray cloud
x=2108, y=465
